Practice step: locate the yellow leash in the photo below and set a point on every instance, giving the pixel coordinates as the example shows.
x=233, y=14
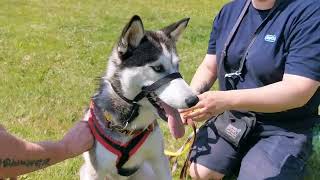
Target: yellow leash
x=184, y=150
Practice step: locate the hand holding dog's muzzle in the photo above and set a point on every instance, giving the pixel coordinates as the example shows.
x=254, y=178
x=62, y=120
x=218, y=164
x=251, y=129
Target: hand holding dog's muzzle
x=211, y=103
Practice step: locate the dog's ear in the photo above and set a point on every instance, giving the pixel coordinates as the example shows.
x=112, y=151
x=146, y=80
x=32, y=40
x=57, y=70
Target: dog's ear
x=131, y=35
x=174, y=30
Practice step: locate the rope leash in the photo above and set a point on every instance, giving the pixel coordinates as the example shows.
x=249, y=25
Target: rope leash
x=184, y=149
x=186, y=165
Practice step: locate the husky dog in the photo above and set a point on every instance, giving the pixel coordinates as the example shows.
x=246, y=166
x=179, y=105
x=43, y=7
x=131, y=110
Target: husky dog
x=138, y=60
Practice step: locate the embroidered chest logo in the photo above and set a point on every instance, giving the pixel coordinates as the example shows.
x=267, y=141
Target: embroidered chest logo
x=270, y=38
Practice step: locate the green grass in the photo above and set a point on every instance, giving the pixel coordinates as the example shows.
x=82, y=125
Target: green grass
x=52, y=51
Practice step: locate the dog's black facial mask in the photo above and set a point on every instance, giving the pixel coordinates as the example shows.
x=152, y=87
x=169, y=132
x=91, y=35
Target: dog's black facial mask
x=137, y=47
x=134, y=47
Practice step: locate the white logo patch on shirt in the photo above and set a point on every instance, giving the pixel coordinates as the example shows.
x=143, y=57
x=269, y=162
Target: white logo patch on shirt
x=270, y=38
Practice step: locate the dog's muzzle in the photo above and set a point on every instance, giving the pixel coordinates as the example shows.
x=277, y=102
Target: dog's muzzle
x=149, y=93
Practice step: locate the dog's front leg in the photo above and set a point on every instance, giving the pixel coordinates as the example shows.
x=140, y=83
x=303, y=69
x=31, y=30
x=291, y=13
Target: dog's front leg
x=160, y=165
x=158, y=161
x=98, y=163
x=88, y=170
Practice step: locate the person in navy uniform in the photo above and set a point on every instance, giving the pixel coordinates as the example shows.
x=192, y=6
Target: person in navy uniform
x=279, y=83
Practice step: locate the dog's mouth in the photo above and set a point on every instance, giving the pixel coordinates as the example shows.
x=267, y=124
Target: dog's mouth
x=171, y=115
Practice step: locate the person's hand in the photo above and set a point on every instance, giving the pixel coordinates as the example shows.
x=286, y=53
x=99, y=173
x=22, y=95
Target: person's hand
x=211, y=103
x=78, y=140
x=184, y=120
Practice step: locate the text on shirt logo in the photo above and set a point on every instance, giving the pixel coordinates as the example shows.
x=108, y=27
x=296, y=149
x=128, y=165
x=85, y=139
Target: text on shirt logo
x=270, y=38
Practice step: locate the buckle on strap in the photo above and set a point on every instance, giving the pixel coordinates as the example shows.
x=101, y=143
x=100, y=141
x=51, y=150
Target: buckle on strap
x=233, y=75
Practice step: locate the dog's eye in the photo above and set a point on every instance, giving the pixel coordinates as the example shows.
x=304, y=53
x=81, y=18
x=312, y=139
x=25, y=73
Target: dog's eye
x=158, y=69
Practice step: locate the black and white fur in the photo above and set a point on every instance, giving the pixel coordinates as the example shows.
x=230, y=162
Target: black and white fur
x=139, y=59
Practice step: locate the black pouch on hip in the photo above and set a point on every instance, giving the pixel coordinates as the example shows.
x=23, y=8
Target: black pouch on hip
x=235, y=126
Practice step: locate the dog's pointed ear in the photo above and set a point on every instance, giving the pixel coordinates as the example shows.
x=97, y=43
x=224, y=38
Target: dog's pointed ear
x=131, y=35
x=174, y=30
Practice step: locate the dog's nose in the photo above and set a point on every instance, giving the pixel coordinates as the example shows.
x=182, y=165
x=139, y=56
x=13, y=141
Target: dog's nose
x=191, y=101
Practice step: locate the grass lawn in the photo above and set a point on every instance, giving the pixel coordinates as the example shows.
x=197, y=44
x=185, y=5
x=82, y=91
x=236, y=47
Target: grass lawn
x=51, y=53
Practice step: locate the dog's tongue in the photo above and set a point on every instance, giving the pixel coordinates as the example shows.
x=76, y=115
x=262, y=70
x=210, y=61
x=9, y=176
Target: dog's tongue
x=174, y=121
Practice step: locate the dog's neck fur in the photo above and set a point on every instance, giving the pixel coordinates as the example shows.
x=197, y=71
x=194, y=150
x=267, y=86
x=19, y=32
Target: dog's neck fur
x=109, y=101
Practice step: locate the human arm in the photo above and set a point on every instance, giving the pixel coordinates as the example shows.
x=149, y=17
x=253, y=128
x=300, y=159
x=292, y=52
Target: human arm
x=204, y=78
x=292, y=92
x=18, y=156
x=205, y=75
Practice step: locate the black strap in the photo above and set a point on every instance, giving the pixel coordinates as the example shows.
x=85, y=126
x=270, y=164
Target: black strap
x=120, y=95
x=125, y=154
x=125, y=151
x=127, y=172
x=265, y=21
x=235, y=28
x=156, y=85
x=148, y=89
x=233, y=76
x=145, y=92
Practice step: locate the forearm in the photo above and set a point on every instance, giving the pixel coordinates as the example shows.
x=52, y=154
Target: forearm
x=18, y=156
x=275, y=97
x=205, y=75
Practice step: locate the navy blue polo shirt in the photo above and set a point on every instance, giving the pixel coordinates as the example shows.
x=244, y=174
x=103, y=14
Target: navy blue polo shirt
x=288, y=43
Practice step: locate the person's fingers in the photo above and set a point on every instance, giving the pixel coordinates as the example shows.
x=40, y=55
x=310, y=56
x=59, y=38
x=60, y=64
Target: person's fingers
x=182, y=119
x=203, y=96
x=200, y=104
x=195, y=113
x=184, y=110
x=189, y=121
x=201, y=117
x=185, y=121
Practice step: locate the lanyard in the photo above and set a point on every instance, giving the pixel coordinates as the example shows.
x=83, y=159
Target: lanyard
x=234, y=77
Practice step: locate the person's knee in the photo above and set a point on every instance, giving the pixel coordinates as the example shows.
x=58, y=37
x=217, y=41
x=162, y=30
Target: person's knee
x=199, y=172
